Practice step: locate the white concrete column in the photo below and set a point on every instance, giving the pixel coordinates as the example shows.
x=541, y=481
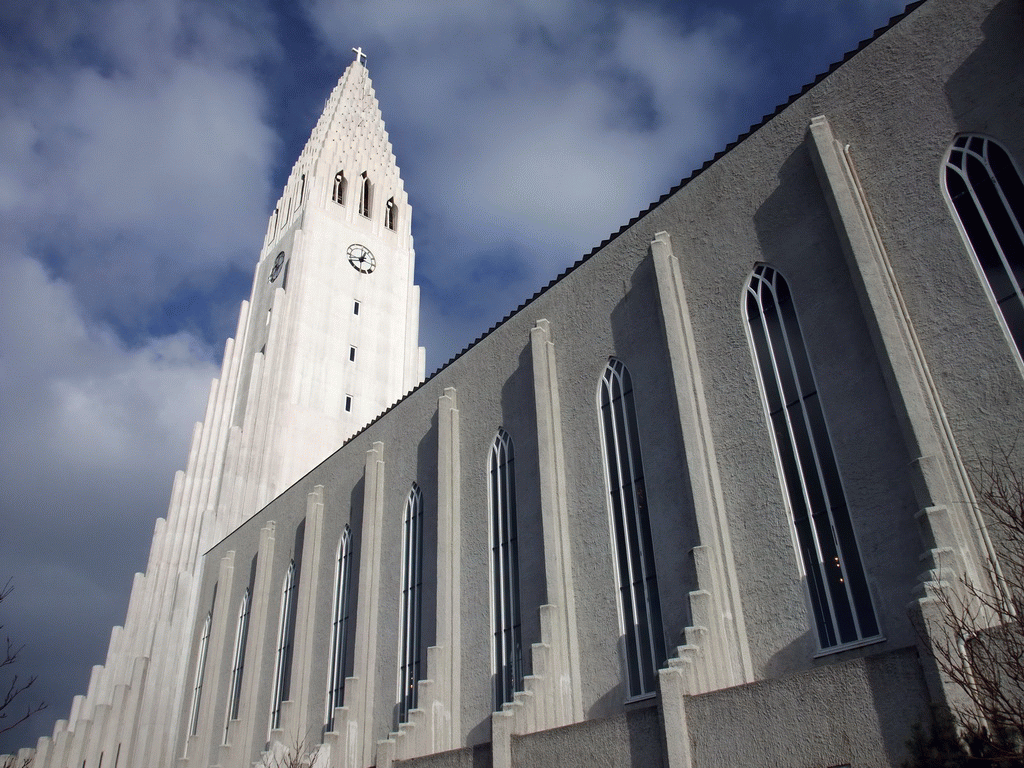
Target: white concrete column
x=305, y=620
x=727, y=652
x=564, y=640
x=253, y=720
x=219, y=648
x=360, y=741
x=941, y=482
x=446, y=714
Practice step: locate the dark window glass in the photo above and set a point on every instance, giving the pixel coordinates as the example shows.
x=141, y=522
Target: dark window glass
x=643, y=638
x=412, y=603
x=838, y=589
x=988, y=196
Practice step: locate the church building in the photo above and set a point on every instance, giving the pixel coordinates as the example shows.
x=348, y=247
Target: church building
x=688, y=506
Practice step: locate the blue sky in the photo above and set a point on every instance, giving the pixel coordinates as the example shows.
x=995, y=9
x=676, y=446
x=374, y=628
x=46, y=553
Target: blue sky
x=143, y=143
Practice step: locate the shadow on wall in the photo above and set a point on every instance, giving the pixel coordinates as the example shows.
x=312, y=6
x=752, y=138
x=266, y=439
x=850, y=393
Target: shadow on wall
x=982, y=80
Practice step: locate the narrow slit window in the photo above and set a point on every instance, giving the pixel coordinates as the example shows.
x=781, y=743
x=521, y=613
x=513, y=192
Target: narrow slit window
x=238, y=661
x=348, y=403
x=412, y=603
x=285, y=637
x=352, y=354
x=302, y=188
x=835, y=578
x=355, y=307
x=505, y=606
x=197, y=688
x=988, y=195
x=364, y=195
x=390, y=214
x=639, y=602
x=339, y=635
x=339, y=188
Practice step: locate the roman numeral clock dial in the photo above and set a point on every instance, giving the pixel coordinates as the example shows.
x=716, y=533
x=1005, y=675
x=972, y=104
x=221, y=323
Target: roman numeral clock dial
x=361, y=259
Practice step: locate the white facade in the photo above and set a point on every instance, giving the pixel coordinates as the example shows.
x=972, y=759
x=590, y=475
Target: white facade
x=325, y=343
x=733, y=440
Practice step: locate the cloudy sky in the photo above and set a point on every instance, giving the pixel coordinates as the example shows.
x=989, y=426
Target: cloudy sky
x=143, y=143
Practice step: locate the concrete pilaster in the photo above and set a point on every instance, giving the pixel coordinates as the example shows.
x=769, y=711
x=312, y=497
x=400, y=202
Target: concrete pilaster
x=360, y=738
x=728, y=653
x=198, y=751
x=302, y=685
x=564, y=643
x=251, y=721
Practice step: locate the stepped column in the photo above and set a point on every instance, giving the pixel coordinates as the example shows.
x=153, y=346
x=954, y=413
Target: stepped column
x=718, y=621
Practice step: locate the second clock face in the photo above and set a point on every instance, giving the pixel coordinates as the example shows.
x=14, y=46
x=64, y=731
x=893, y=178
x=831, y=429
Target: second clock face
x=361, y=259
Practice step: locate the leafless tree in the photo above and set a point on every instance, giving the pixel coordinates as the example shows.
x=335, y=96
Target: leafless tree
x=293, y=755
x=980, y=643
x=11, y=712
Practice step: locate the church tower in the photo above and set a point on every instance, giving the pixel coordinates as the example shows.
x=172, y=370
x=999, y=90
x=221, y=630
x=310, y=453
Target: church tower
x=325, y=343
x=330, y=339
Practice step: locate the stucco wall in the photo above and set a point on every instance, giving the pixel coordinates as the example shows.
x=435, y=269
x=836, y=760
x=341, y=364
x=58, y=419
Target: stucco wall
x=898, y=103
x=857, y=713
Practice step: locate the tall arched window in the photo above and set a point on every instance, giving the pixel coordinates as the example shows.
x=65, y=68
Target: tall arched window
x=339, y=635
x=390, y=214
x=197, y=688
x=412, y=603
x=238, y=660
x=302, y=188
x=339, y=188
x=828, y=549
x=364, y=195
x=285, y=637
x=508, y=641
x=988, y=196
x=639, y=604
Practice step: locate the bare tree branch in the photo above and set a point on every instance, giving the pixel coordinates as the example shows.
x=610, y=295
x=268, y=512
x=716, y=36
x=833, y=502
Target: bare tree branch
x=9, y=707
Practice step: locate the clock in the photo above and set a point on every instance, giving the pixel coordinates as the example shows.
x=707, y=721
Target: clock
x=361, y=259
x=278, y=264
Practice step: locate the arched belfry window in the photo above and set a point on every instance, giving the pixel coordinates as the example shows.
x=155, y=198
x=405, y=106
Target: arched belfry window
x=838, y=589
x=339, y=188
x=412, y=603
x=339, y=634
x=285, y=638
x=238, y=660
x=639, y=604
x=508, y=641
x=364, y=195
x=988, y=195
x=197, y=688
x=390, y=214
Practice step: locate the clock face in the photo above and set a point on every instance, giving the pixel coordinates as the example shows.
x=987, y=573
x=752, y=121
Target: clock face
x=361, y=259
x=278, y=264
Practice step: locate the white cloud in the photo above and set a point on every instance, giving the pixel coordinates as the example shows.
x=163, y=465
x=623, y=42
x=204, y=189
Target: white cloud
x=549, y=124
x=144, y=158
x=93, y=432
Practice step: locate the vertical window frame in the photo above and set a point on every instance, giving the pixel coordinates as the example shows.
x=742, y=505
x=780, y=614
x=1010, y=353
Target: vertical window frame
x=1009, y=308
x=365, y=195
x=410, y=634
x=197, y=686
x=809, y=535
x=339, y=627
x=638, y=597
x=506, y=609
x=238, y=660
x=340, y=183
x=285, y=641
x=391, y=214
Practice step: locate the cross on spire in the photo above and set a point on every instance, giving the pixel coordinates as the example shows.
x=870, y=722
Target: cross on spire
x=360, y=56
